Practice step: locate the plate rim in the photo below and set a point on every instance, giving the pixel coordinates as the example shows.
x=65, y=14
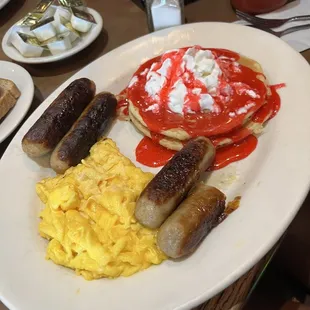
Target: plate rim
x=48, y=59
x=26, y=104
x=232, y=277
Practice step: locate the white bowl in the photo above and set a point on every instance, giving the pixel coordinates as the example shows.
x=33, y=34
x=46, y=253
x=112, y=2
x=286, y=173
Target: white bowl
x=85, y=40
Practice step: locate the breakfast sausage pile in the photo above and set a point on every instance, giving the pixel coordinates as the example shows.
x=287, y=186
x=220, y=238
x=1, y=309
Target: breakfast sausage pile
x=182, y=223
x=70, y=125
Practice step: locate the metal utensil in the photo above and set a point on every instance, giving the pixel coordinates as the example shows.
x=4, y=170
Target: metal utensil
x=269, y=23
x=284, y=32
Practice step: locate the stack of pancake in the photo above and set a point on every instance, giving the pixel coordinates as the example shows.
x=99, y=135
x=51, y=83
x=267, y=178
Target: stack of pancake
x=173, y=135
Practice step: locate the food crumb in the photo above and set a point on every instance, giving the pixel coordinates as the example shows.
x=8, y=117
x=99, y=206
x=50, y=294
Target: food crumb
x=233, y=205
x=230, y=208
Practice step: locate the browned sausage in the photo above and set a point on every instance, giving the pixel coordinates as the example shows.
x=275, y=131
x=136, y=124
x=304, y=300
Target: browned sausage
x=58, y=118
x=168, y=188
x=195, y=217
x=75, y=145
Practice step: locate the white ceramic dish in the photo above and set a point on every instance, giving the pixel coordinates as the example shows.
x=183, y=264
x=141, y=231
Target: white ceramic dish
x=273, y=182
x=86, y=40
x=3, y=3
x=24, y=82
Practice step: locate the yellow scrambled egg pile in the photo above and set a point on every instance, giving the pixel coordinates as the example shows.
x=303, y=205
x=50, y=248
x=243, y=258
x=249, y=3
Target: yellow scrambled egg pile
x=89, y=216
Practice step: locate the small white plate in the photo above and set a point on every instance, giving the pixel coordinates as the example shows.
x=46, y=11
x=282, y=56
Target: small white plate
x=86, y=40
x=3, y=3
x=24, y=82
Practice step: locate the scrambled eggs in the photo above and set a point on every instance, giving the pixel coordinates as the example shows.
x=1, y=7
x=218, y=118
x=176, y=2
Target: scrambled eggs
x=89, y=216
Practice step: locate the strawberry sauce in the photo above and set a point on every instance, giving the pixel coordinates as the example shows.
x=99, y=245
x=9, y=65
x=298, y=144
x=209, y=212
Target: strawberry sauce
x=235, y=80
x=230, y=129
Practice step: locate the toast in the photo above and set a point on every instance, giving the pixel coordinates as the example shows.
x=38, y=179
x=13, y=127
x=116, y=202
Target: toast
x=9, y=93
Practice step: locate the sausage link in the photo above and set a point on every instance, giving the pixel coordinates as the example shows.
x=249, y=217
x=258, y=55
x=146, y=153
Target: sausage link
x=58, y=118
x=183, y=231
x=75, y=145
x=172, y=183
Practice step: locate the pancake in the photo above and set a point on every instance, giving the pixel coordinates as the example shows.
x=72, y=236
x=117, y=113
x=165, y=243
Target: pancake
x=249, y=128
x=174, y=133
x=169, y=143
x=172, y=137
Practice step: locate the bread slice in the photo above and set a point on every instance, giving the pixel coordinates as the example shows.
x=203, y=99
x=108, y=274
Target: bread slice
x=9, y=93
x=11, y=87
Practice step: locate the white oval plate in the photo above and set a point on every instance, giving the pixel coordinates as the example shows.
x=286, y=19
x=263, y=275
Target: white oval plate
x=3, y=3
x=273, y=182
x=86, y=40
x=23, y=81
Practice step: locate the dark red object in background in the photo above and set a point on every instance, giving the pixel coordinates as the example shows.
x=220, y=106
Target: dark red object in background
x=257, y=6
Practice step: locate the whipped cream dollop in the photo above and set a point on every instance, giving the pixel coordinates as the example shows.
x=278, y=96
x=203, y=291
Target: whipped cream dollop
x=204, y=67
x=177, y=97
x=184, y=80
x=156, y=79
